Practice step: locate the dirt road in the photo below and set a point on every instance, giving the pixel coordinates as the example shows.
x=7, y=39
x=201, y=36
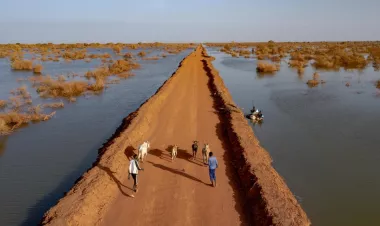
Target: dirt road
x=179, y=192
x=193, y=104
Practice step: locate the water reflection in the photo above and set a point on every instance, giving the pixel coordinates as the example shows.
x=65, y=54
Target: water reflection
x=3, y=144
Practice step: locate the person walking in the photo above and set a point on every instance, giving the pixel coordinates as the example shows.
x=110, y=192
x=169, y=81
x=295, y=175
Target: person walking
x=195, y=149
x=212, y=165
x=134, y=170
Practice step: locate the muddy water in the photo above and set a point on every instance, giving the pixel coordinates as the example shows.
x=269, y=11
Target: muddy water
x=40, y=162
x=324, y=141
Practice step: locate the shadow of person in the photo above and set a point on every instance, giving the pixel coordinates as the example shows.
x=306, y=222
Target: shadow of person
x=159, y=153
x=117, y=181
x=178, y=172
x=129, y=152
x=184, y=154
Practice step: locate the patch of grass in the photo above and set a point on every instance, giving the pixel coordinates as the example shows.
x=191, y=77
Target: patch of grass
x=97, y=86
x=264, y=67
x=142, y=54
x=3, y=103
x=48, y=87
x=37, y=69
x=152, y=58
x=125, y=75
x=121, y=66
x=312, y=83
x=100, y=72
x=10, y=121
x=315, y=81
x=275, y=58
x=54, y=105
x=19, y=64
x=128, y=56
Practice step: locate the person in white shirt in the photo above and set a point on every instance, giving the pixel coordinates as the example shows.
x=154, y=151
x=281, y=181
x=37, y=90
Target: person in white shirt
x=134, y=170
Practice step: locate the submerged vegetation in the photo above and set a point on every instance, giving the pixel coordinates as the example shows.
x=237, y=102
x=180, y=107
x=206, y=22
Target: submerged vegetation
x=322, y=56
x=20, y=64
x=18, y=109
x=265, y=67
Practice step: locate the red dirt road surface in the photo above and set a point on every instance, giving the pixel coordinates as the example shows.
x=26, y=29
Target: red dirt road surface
x=179, y=192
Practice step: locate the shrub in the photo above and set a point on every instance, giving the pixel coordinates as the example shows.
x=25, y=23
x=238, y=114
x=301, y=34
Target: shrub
x=152, y=58
x=265, y=67
x=117, y=49
x=297, y=56
x=324, y=62
x=54, y=105
x=37, y=69
x=49, y=87
x=122, y=66
x=312, y=83
x=128, y=56
x=275, y=58
x=3, y=104
x=125, y=75
x=141, y=54
x=260, y=57
x=101, y=72
x=97, y=86
x=19, y=64
x=297, y=64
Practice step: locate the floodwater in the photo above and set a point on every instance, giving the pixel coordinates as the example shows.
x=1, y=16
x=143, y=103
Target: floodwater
x=324, y=141
x=40, y=162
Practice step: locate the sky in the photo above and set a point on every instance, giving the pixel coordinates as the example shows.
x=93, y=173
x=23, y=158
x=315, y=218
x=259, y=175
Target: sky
x=70, y=21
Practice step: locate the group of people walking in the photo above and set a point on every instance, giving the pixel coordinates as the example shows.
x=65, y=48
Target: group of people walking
x=208, y=158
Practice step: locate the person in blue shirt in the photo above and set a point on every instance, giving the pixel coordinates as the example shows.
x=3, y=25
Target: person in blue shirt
x=212, y=165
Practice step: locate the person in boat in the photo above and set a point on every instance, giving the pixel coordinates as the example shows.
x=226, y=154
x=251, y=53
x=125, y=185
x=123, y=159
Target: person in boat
x=253, y=109
x=260, y=115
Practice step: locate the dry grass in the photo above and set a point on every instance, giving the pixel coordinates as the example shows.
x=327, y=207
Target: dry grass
x=264, y=67
x=19, y=64
x=117, y=49
x=315, y=81
x=275, y=58
x=128, y=56
x=54, y=105
x=113, y=81
x=12, y=120
x=37, y=69
x=48, y=87
x=142, y=54
x=378, y=84
x=97, y=86
x=3, y=103
x=125, y=75
x=152, y=58
x=121, y=66
x=100, y=72
x=75, y=55
x=312, y=83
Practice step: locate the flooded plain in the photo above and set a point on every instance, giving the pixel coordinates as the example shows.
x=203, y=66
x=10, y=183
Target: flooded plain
x=40, y=162
x=323, y=140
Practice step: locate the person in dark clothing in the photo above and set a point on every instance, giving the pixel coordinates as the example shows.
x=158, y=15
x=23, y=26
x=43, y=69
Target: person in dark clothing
x=253, y=109
x=134, y=170
x=260, y=115
x=195, y=149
